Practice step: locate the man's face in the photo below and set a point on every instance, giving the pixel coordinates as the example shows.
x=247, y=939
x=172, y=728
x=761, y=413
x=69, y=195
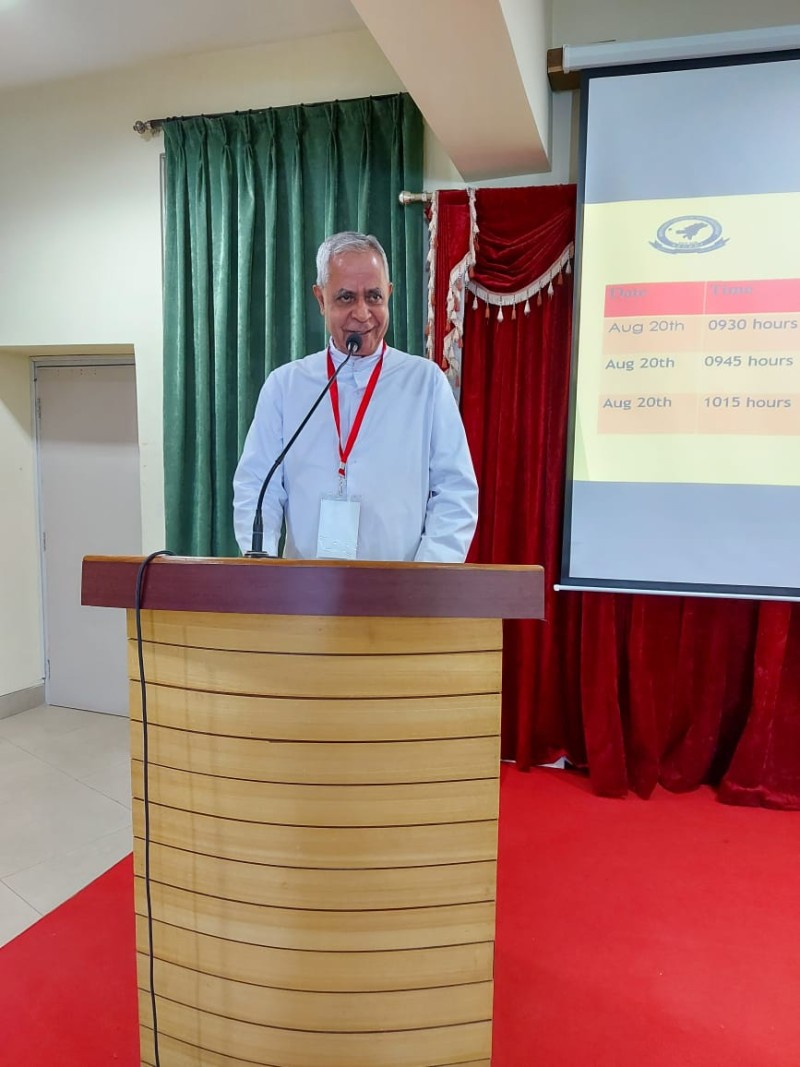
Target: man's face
x=355, y=299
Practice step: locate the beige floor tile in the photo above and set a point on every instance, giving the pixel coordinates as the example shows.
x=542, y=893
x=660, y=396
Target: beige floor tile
x=50, y=883
x=113, y=781
x=29, y=726
x=15, y=914
x=91, y=748
x=21, y=776
x=65, y=803
x=52, y=819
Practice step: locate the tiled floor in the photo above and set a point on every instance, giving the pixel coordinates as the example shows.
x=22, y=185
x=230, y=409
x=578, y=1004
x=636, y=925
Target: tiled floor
x=64, y=808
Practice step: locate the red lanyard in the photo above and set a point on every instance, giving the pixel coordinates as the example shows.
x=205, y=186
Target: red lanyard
x=344, y=452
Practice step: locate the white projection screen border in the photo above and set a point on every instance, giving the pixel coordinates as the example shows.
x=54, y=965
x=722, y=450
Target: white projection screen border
x=683, y=467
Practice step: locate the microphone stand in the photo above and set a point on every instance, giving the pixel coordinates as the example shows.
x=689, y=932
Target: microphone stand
x=353, y=343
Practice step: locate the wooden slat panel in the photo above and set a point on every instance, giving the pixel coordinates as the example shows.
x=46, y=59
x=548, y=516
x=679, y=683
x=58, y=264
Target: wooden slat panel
x=287, y=887
x=317, y=634
x=311, y=846
x=325, y=931
x=278, y=674
x=340, y=1013
x=320, y=805
x=320, y=741
x=329, y=972
x=281, y=718
x=287, y=1048
x=178, y=1054
x=311, y=763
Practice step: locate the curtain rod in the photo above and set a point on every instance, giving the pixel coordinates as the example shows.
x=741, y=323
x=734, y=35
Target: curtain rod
x=155, y=125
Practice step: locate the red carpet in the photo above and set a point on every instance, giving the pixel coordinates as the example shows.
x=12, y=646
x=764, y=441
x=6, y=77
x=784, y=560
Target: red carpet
x=659, y=933
x=68, y=984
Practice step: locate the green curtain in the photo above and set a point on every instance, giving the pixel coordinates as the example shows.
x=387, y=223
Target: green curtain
x=248, y=199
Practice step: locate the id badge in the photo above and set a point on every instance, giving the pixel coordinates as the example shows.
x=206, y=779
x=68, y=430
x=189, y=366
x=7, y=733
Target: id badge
x=338, y=528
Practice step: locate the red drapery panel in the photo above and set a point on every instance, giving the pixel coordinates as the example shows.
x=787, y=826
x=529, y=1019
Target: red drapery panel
x=642, y=689
x=450, y=245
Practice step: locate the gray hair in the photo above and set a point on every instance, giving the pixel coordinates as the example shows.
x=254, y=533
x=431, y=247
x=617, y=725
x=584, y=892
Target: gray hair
x=348, y=241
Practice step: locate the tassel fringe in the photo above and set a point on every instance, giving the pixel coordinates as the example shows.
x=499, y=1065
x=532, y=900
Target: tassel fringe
x=544, y=281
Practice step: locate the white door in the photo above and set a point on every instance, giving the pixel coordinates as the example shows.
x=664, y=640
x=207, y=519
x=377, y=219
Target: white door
x=89, y=501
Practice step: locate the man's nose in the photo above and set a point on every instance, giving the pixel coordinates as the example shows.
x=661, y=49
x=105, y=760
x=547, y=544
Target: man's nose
x=361, y=310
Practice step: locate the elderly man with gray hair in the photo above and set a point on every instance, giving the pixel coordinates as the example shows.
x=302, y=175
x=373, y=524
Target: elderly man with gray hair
x=381, y=470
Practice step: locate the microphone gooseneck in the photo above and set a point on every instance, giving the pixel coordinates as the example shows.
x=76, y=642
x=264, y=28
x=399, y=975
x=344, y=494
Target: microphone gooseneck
x=353, y=344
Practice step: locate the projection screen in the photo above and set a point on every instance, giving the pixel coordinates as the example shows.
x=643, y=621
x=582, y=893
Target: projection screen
x=684, y=465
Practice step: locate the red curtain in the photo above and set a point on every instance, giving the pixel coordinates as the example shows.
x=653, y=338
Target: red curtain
x=641, y=689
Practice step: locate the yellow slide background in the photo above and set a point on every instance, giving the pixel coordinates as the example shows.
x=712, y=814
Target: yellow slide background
x=763, y=243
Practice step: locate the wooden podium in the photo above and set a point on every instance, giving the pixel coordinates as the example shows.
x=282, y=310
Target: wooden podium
x=323, y=779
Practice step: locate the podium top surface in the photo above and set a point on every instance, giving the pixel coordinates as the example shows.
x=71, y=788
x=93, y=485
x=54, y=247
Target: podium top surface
x=317, y=587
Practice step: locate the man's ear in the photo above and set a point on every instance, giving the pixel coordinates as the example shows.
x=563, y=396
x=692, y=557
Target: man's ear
x=320, y=298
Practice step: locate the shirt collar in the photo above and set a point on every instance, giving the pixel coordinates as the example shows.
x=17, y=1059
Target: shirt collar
x=359, y=366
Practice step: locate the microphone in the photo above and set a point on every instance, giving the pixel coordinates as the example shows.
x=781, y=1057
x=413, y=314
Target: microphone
x=353, y=344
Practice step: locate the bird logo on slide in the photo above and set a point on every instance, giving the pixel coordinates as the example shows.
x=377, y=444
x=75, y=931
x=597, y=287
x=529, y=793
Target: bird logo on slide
x=689, y=233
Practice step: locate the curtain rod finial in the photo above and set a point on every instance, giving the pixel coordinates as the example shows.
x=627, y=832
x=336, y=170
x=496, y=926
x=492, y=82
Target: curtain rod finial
x=407, y=198
x=147, y=128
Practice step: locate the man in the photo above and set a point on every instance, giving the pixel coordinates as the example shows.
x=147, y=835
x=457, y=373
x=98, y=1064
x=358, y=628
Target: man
x=382, y=470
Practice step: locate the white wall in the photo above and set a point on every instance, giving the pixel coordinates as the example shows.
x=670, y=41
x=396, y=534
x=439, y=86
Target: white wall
x=581, y=22
x=529, y=25
x=441, y=174
x=20, y=625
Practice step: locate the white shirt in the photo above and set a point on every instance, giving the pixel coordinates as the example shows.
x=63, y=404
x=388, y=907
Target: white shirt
x=410, y=466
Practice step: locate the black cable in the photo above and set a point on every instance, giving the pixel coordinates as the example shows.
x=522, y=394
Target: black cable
x=146, y=776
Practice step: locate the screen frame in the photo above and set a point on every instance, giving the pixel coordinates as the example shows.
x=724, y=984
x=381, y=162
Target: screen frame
x=566, y=582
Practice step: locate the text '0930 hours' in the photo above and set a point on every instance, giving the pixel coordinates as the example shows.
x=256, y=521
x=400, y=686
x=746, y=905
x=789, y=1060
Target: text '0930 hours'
x=753, y=322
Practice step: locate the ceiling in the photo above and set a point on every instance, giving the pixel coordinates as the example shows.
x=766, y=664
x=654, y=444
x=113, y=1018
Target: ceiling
x=492, y=123
x=44, y=40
